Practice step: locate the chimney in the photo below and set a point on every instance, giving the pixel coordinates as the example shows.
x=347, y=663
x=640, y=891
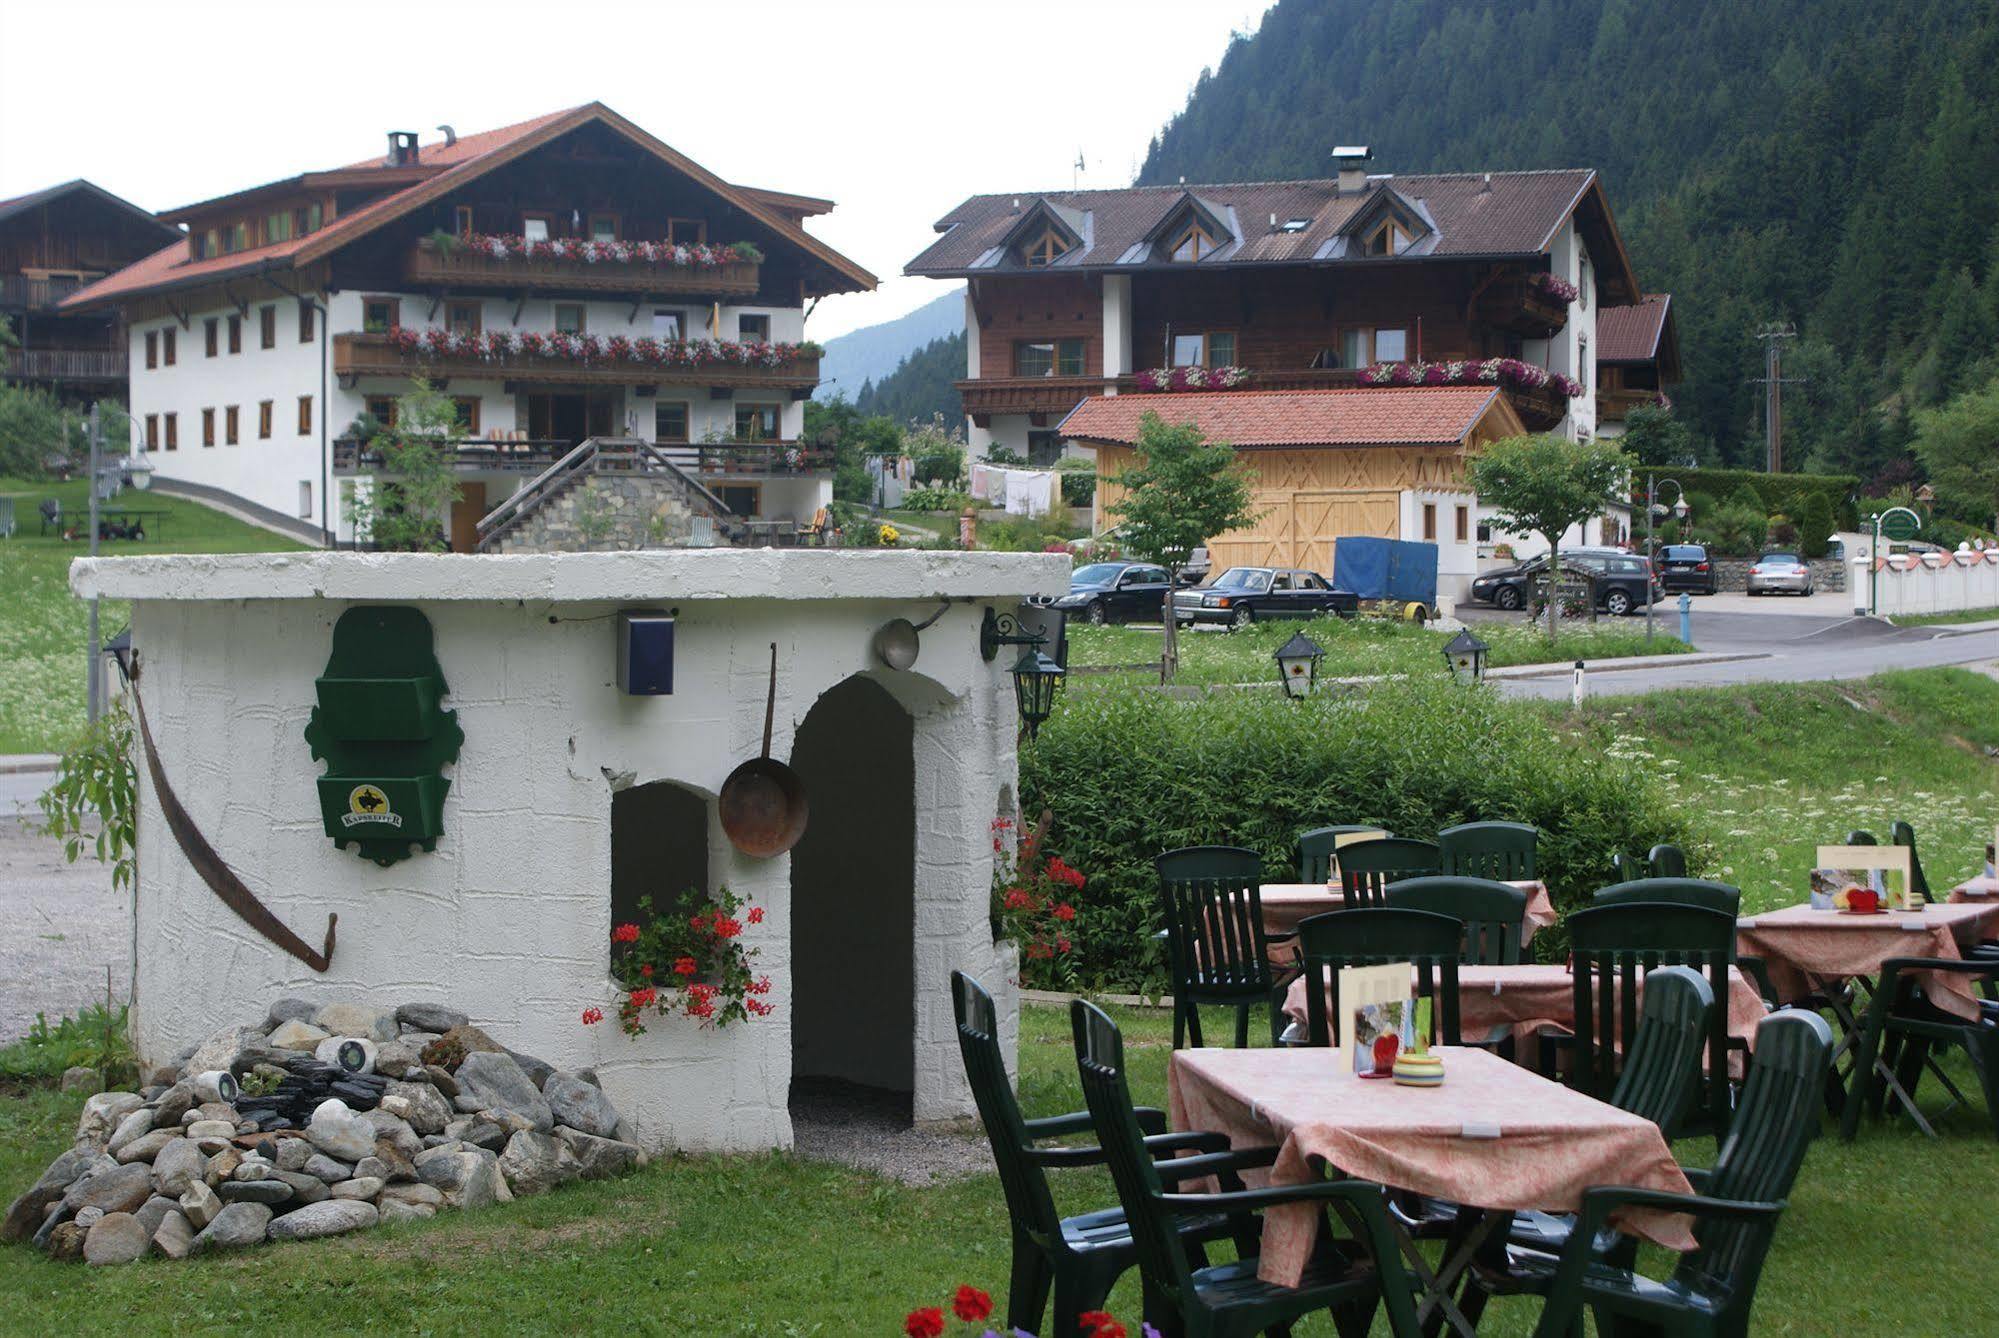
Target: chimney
x=402, y=148
x=1352, y=161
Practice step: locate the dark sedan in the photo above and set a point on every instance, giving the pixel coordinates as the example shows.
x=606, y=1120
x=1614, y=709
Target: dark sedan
x=1619, y=581
x=1115, y=592
x=1242, y=595
x=1686, y=567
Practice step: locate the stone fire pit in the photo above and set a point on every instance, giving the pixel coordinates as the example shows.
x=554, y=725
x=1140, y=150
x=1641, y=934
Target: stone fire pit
x=319, y=1120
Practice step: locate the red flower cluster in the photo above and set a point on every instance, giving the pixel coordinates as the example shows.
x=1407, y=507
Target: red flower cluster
x=927, y=1322
x=684, y=966
x=971, y=1304
x=1034, y=899
x=709, y=970
x=592, y=1016
x=1100, y=1324
x=1062, y=873
x=644, y=997
x=726, y=927
x=756, y=916
x=625, y=934
x=1063, y=911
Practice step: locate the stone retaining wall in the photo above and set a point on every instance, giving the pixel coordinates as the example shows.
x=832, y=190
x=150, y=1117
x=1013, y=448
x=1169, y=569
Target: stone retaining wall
x=1732, y=574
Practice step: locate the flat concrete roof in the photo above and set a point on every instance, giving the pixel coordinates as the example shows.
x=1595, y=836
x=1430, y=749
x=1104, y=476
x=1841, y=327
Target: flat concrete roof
x=682, y=574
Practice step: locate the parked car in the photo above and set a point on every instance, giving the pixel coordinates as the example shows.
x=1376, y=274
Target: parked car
x=1241, y=595
x=1199, y=567
x=1115, y=592
x=1686, y=567
x=1780, y=572
x=1620, y=581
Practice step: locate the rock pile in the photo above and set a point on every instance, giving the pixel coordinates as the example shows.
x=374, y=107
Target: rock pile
x=327, y=1118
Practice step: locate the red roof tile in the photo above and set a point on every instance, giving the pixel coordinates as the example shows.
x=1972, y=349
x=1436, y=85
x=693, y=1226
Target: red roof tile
x=1271, y=419
x=1631, y=334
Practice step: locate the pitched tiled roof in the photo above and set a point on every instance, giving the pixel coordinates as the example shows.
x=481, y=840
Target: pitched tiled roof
x=1504, y=214
x=1631, y=334
x=48, y=194
x=1269, y=419
x=447, y=166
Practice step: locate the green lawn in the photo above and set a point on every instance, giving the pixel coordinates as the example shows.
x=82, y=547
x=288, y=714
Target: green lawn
x=1353, y=646
x=1771, y=771
x=1945, y=619
x=42, y=626
x=1883, y=1237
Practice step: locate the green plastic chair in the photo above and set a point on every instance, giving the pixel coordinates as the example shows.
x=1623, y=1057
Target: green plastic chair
x=1493, y=914
x=1724, y=897
x=1612, y=948
x=1371, y=936
x=1351, y=1280
x=1902, y=834
x=1661, y=1071
x=1367, y=869
x=1735, y=1206
x=1861, y=838
x=1210, y=899
x=1081, y=1257
x=1317, y=848
x=1667, y=861
x=1628, y=866
x=1501, y=851
x=1904, y=1030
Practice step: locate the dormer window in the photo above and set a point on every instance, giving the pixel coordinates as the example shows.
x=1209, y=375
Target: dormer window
x=1193, y=241
x=1386, y=240
x=1047, y=248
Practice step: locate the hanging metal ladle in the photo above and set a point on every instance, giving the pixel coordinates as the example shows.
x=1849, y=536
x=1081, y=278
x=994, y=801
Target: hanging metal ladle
x=896, y=642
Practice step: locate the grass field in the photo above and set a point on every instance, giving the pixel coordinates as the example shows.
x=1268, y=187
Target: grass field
x=1881, y=1239
x=42, y=626
x=1353, y=646
x=1945, y=619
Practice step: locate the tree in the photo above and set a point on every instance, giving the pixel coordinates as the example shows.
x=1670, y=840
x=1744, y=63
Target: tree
x=852, y=436
x=1180, y=490
x=1547, y=483
x=1654, y=436
x=411, y=493
x=1959, y=446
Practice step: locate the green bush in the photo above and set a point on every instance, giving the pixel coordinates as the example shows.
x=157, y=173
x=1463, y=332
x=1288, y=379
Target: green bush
x=1737, y=531
x=1131, y=774
x=94, y=1038
x=935, y=499
x=1747, y=498
x=1778, y=492
x=1079, y=481
x=1025, y=534
x=1815, y=524
x=944, y=464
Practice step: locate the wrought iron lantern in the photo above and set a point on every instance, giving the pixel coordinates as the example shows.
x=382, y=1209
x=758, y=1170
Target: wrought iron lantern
x=1036, y=680
x=1464, y=655
x=1298, y=665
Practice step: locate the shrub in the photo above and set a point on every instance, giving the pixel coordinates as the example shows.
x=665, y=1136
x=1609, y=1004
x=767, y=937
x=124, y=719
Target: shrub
x=1738, y=530
x=1782, y=531
x=936, y=499
x=1779, y=492
x=943, y=464
x=1079, y=480
x=1025, y=534
x=1129, y=775
x=1746, y=498
x=1815, y=524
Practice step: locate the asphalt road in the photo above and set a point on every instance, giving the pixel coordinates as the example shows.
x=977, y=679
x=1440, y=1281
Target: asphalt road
x=1793, y=645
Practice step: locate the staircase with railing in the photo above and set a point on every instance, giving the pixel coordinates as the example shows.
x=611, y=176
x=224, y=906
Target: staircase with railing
x=599, y=456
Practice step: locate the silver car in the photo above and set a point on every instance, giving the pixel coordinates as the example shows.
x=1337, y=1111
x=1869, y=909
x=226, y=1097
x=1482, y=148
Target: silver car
x=1780, y=572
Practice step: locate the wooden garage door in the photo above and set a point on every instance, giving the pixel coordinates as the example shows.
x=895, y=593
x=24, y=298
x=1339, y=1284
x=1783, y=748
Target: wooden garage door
x=1318, y=518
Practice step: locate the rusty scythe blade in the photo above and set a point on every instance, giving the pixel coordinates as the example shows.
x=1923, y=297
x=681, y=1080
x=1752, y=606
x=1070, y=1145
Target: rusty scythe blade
x=219, y=877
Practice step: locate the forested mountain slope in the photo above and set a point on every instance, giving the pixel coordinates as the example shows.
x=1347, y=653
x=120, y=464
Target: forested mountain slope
x=1834, y=163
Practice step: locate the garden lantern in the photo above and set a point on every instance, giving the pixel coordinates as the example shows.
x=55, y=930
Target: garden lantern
x=1036, y=679
x=1298, y=665
x=1464, y=655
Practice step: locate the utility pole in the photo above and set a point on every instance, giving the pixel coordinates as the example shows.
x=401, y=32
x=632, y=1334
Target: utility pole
x=94, y=674
x=1773, y=381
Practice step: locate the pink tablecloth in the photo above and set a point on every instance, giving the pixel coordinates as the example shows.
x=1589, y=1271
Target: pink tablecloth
x=1829, y=945
x=1976, y=889
x=1493, y=1136
x=1531, y=996
x=1285, y=904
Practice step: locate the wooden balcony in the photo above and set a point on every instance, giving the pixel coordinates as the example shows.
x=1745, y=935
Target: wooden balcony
x=1513, y=302
x=65, y=364
x=517, y=455
x=359, y=355
x=752, y=459
x=1046, y=398
x=18, y=292
x=429, y=266
x=1614, y=403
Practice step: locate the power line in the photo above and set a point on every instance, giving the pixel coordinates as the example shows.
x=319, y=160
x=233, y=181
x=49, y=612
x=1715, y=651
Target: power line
x=1773, y=380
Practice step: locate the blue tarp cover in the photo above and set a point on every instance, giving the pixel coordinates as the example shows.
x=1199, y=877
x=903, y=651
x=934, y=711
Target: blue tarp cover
x=1386, y=568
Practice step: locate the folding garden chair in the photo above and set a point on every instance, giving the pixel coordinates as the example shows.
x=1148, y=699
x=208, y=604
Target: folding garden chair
x=1210, y=900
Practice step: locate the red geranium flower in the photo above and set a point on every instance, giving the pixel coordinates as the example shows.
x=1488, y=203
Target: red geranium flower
x=646, y=970
x=697, y=922
x=592, y=1016
x=756, y=915
x=1017, y=898
x=685, y=967
x=971, y=1304
x=1064, y=911
x=1100, y=1324
x=726, y=927
x=1062, y=945
x=626, y=933
x=927, y=1322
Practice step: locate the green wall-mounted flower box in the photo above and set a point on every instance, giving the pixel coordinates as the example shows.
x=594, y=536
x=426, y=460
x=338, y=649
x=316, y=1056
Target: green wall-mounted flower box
x=379, y=709
x=382, y=808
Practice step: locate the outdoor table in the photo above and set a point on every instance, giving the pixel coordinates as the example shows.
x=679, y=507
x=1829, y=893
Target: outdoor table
x=1806, y=951
x=1494, y=1138
x=1981, y=888
x=1530, y=996
x=1285, y=904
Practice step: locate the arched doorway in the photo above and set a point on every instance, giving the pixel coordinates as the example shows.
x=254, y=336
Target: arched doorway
x=853, y=896
x=659, y=847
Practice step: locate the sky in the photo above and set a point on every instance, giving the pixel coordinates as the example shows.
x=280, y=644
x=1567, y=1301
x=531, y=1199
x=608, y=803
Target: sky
x=896, y=110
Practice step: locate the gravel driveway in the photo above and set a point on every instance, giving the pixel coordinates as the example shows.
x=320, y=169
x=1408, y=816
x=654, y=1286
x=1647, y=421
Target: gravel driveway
x=60, y=925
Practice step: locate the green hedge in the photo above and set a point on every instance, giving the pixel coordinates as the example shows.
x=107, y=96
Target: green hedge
x=1128, y=775
x=1784, y=493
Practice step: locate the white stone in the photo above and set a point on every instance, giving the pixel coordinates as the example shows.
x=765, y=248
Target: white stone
x=295, y=1035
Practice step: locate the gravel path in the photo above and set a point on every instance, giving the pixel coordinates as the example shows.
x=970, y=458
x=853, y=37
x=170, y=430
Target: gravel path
x=869, y=1130
x=60, y=925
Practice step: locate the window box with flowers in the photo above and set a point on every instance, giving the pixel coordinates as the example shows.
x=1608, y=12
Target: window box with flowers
x=687, y=963
x=1193, y=378
x=584, y=263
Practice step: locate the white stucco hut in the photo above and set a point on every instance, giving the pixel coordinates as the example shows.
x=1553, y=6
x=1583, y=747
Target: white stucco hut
x=568, y=791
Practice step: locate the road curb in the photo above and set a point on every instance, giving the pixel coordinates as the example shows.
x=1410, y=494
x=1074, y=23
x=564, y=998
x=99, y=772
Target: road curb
x=20, y=763
x=1625, y=664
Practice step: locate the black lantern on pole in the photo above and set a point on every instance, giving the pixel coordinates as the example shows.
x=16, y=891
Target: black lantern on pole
x=1036, y=679
x=1298, y=665
x=1464, y=655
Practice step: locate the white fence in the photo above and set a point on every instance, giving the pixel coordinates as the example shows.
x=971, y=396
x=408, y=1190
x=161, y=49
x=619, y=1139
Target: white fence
x=1928, y=582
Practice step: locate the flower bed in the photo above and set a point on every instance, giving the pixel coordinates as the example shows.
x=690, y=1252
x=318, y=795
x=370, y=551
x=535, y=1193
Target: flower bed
x=499, y=346
x=1194, y=378
x=674, y=255
x=1509, y=372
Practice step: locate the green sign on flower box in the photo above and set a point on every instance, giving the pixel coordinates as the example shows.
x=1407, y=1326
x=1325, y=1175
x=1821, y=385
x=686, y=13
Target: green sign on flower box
x=383, y=735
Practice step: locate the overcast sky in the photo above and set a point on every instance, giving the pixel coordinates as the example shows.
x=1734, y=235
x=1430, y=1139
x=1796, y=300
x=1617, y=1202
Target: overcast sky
x=897, y=110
